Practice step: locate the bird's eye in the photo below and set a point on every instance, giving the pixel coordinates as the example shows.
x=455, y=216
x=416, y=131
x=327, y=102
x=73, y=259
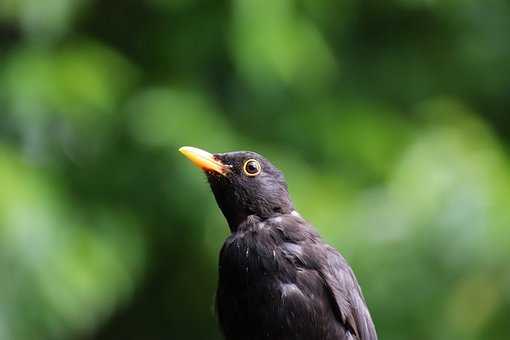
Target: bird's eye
x=252, y=167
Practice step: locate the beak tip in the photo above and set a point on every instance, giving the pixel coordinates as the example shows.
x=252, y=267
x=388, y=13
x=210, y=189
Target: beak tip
x=183, y=149
x=191, y=152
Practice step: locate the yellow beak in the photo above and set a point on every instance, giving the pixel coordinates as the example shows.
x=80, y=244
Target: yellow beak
x=204, y=160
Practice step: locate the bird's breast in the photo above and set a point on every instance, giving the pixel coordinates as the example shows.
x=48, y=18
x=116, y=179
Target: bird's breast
x=266, y=291
x=254, y=252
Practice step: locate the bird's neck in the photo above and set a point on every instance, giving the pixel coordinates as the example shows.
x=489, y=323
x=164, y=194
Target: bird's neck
x=237, y=209
x=236, y=225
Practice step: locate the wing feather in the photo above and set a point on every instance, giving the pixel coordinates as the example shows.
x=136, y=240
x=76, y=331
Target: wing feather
x=347, y=296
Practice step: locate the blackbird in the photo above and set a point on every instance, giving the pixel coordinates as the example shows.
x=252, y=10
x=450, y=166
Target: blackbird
x=277, y=279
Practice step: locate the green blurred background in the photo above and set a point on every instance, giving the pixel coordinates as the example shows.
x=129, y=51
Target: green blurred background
x=389, y=118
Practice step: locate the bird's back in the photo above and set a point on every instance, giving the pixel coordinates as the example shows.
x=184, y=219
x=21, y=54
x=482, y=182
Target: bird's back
x=278, y=281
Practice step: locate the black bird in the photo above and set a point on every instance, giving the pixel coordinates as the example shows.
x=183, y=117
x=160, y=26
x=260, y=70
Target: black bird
x=277, y=279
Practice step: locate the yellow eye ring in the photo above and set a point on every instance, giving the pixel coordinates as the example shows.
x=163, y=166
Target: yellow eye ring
x=252, y=167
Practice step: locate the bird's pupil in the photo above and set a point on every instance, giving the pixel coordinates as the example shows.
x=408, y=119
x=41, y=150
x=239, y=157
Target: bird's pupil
x=252, y=167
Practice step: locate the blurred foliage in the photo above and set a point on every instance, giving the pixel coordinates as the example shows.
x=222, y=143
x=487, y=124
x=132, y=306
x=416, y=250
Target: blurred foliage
x=389, y=119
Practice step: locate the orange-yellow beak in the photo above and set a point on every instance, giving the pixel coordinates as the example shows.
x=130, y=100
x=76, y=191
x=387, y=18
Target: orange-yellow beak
x=204, y=160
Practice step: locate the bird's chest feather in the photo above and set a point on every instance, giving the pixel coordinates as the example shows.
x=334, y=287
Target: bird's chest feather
x=249, y=256
x=260, y=289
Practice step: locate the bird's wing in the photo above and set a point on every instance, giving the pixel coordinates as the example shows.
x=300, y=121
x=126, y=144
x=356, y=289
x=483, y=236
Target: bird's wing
x=346, y=294
x=304, y=247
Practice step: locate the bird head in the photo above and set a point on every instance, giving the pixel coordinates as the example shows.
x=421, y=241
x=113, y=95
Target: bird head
x=244, y=183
